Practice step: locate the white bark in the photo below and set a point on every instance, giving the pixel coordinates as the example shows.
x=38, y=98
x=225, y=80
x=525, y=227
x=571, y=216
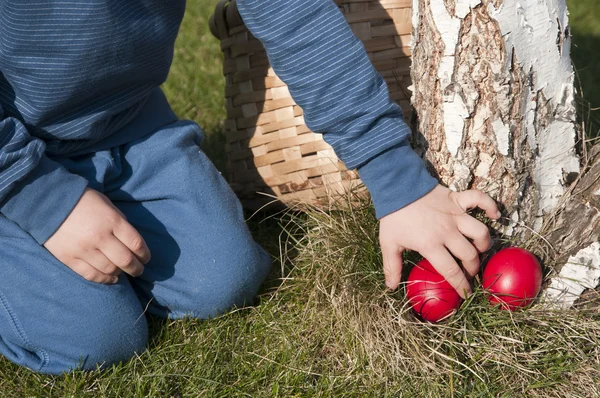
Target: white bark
x=581, y=272
x=535, y=30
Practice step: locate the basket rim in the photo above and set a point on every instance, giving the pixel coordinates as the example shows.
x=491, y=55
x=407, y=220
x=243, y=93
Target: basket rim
x=225, y=17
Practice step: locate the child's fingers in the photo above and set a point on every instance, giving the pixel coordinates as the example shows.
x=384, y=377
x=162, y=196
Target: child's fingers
x=392, y=265
x=476, y=230
x=98, y=260
x=444, y=263
x=131, y=238
x=122, y=257
x=465, y=252
x=86, y=271
x=473, y=198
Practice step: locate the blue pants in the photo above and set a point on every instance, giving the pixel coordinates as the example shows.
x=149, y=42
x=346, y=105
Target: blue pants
x=204, y=260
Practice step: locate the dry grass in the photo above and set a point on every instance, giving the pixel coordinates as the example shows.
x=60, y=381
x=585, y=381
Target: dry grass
x=482, y=351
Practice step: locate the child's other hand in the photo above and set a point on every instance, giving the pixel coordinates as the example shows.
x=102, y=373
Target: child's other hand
x=437, y=226
x=97, y=242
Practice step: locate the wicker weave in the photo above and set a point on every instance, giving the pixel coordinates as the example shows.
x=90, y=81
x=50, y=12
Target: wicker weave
x=269, y=147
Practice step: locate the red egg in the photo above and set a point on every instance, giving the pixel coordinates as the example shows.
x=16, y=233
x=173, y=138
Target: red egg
x=429, y=294
x=513, y=277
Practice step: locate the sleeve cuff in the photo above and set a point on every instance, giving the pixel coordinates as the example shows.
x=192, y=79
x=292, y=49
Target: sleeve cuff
x=42, y=201
x=396, y=178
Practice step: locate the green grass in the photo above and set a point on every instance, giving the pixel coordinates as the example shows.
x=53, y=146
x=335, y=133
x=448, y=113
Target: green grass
x=585, y=27
x=328, y=327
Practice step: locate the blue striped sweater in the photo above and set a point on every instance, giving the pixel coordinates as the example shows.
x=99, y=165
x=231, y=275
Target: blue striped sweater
x=80, y=76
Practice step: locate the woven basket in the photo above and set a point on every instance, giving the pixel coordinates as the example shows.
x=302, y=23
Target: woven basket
x=269, y=148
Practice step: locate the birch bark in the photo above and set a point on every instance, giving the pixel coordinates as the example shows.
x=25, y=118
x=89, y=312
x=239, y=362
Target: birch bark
x=494, y=94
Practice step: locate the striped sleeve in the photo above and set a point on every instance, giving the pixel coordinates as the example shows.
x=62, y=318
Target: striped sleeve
x=313, y=50
x=35, y=192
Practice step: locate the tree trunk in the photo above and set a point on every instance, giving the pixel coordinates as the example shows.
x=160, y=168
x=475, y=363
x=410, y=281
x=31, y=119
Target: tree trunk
x=493, y=91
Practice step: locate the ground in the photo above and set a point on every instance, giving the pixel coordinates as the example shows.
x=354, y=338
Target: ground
x=328, y=328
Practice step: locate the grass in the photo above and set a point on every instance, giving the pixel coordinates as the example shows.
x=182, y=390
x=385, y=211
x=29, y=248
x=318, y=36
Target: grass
x=325, y=325
x=331, y=329
x=585, y=27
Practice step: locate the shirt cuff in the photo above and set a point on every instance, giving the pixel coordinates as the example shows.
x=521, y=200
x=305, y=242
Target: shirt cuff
x=396, y=178
x=43, y=200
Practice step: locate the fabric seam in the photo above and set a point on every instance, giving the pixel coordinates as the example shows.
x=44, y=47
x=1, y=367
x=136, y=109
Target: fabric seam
x=20, y=332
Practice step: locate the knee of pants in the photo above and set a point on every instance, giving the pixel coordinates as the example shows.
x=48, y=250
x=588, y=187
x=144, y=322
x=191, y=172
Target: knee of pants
x=232, y=281
x=115, y=343
x=98, y=341
x=240, y=285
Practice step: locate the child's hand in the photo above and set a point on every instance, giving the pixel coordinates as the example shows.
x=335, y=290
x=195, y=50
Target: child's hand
x=97, y=242
x=437, y=225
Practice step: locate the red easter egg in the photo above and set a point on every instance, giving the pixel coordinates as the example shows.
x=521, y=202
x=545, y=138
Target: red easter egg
x=429, y=294
x=513, y=277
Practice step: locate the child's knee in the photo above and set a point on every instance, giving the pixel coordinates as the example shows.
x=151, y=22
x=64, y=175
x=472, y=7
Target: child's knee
x=234, y=282
x=239, y=287
x=117, y=343
x=108, y=340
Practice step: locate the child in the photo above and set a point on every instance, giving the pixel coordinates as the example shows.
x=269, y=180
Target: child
x=108, y=207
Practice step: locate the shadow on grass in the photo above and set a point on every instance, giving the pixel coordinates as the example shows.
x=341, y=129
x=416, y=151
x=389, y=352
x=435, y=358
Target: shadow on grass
x=586, y=58
x=586, y=61
x=213, y=146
